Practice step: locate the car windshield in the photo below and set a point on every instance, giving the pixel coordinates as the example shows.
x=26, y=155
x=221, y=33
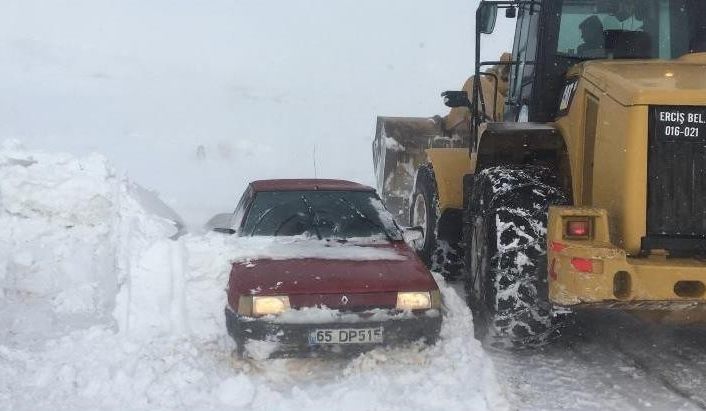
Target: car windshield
x=321, y=214
x=664, y=29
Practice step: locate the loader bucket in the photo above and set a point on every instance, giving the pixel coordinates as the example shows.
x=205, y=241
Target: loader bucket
x=398, y=150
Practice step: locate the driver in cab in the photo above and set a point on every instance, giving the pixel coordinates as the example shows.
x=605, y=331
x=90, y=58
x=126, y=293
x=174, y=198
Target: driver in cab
x=593, y=40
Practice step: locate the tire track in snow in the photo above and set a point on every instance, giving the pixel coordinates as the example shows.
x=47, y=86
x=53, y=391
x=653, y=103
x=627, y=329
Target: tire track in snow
x=624, y=374
x=667, y=382
x=609, y=362
x=657, y=346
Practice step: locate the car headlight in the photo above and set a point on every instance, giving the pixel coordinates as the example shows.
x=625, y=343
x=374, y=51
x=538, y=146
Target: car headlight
x=268, y=305
x=413, y=300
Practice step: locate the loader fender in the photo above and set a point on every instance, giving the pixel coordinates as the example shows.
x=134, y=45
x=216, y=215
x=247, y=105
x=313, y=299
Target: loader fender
x=450, y=165
x=525, y=143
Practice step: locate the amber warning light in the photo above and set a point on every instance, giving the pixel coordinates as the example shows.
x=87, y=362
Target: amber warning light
x=578, y=229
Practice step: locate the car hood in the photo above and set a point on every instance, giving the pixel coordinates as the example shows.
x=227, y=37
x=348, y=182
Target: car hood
x=667, y=82
x=291, y=276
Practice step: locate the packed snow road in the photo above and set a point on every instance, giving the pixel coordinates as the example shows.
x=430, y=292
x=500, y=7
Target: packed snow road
x=105, y=306
x=610, y=361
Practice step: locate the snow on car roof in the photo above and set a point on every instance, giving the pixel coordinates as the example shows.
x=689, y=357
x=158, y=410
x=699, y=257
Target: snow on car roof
x=308, y=184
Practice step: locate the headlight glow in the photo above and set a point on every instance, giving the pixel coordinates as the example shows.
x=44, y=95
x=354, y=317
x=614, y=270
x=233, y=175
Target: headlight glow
x=268, y=305
x=413, y=300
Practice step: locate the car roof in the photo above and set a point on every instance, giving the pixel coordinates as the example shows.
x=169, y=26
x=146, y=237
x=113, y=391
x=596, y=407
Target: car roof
x=298, y=184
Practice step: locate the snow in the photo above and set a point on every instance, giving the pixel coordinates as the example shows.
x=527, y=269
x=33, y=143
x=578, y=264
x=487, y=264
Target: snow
x=103, y=307
x=392, y=144
x=286, y=248
x=236, y=391
x=611, y=361
x=63, y=235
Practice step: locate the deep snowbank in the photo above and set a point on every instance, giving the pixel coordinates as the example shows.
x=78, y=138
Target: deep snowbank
x=103, y=307
x=68, y=230
x=81, y=246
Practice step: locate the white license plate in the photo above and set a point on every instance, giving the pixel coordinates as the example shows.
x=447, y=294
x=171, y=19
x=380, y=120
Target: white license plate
x=346, y=336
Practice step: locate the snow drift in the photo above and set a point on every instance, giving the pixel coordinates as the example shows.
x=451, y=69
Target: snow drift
x=69, y=228
x=79, y=245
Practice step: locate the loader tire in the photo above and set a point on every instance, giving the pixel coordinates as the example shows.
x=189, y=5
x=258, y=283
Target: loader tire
x=506, y=286
x=441, y=256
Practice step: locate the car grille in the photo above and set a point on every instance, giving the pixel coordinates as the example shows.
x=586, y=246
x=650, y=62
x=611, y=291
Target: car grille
x=346, y=302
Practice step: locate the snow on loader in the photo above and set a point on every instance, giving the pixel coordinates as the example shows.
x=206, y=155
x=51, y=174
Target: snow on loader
x=580, y=182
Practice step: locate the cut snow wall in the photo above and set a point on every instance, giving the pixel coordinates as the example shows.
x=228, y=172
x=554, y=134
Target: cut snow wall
x=70, y=233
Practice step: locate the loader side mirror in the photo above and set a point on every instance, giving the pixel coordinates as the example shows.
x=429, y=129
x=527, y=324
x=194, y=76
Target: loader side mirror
x=485, y=17
x=456, y=99
x=511, y=12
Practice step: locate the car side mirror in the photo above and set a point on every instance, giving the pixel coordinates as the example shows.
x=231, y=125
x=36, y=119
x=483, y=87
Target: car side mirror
x=410, y=235
x=456, y=99
x=220, y=223
x=485, y=17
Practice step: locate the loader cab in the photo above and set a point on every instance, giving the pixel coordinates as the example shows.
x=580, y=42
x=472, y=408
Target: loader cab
x=551, y=36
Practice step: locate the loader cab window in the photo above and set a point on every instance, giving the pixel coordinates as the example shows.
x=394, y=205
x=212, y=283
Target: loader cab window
x=525, y=53
x=630, y=29
x=550, y=37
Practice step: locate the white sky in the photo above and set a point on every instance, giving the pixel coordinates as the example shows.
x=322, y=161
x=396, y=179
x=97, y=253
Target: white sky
x=258, y=84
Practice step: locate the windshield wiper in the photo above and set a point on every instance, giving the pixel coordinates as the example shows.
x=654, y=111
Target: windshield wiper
x=365, y=218
x=309, y=213
x=312, y=216
x=262, y=217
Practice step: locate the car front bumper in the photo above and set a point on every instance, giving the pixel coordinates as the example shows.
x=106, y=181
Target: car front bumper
x=293, y=338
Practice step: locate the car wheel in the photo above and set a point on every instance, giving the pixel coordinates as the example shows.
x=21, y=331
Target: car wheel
x=234, y=332
x=507, y=285
x=239, y=351
x=439, y=255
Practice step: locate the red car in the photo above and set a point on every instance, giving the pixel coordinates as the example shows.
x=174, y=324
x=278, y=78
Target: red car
x=343, y=277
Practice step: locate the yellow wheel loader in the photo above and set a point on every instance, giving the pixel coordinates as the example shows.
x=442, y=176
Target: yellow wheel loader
x=569, y=174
